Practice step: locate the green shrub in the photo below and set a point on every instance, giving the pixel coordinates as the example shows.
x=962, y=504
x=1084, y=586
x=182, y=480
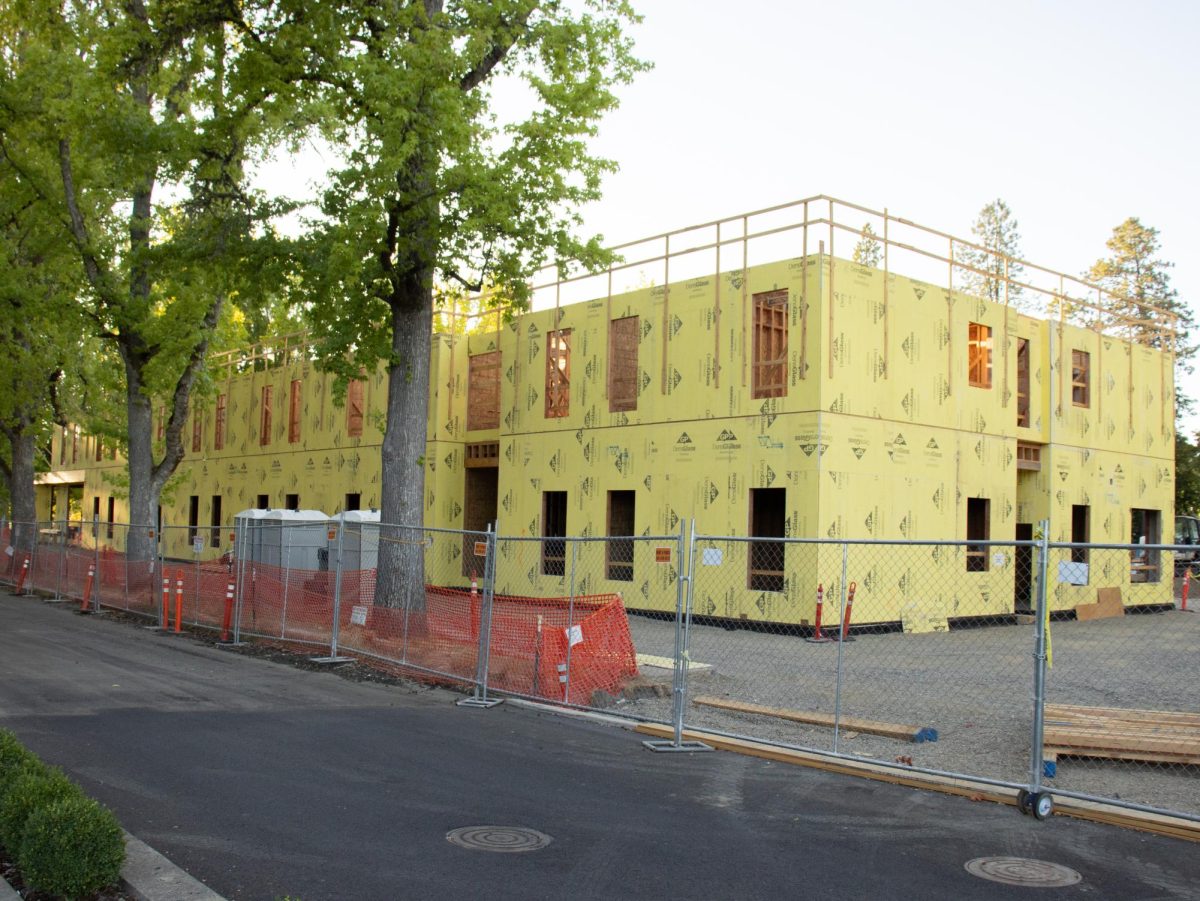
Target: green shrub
x=15, y=760
x=28, y=793
x=74, y=847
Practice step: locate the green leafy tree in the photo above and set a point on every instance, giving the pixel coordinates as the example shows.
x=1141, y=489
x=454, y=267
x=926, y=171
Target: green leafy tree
x=994, y=261
x=441, y=188
x=868, y=251
x=42, y=339
x=135, y=120
x=1138, y=288
x=1187, y=476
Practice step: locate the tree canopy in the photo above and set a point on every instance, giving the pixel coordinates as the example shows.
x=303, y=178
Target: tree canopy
x=992, y=264
x=1138, y=284
x=468, y=130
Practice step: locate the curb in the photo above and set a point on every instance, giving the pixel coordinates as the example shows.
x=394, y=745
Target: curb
x=7, y=892
x=148, y=876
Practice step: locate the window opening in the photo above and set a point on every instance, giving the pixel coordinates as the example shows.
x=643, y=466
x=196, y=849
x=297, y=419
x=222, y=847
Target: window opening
x=554, y=529
x=768, y=519
x=619, y=550
x=770, y=344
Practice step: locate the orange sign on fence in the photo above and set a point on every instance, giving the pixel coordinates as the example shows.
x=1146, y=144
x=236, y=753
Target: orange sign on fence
x=662, y=555
x=480, y=548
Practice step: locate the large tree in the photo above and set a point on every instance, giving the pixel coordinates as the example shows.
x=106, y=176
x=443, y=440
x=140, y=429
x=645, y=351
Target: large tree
x=448, y=180
x=135, y=119
x=993, y=262
x=1138, y=287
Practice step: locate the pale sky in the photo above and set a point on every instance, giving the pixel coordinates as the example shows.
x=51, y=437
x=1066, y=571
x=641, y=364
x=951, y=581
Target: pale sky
x=1078, y=114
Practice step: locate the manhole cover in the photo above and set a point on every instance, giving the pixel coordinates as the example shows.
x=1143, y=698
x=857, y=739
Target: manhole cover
x=505, y=839
x=1023, y=871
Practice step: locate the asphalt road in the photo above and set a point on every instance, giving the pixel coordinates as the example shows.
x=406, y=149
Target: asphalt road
x=264, y=781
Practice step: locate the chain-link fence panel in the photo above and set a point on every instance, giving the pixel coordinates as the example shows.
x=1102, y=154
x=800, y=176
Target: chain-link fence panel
x=758, y=663
x=562, y=630
x=848, y=648
x=426, y=615
x=1122, y=717
x=945, y=637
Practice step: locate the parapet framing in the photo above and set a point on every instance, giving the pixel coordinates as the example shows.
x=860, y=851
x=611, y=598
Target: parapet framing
x=742, y=374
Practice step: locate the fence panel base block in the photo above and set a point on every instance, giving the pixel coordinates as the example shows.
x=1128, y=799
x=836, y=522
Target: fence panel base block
x=668, y=746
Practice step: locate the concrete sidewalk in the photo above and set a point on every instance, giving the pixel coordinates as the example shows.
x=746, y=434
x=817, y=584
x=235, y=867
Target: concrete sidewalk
x=262, y=781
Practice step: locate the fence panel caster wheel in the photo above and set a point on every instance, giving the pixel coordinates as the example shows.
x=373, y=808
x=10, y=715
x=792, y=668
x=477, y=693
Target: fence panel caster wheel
x=1043, y=805
x=1024, y=802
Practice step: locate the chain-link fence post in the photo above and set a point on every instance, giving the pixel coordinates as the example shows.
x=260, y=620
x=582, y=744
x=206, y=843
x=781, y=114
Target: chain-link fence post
x=287, y=564
x=96, y=562
x=62, y=556
x=337, y=604
x=841, y=643
x=479, y=696
x=684, y=593
x=1035, y=800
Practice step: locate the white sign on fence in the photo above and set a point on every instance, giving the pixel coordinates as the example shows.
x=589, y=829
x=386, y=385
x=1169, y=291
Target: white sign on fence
x=1073, y=573
x=711, y=556
x=358, y=616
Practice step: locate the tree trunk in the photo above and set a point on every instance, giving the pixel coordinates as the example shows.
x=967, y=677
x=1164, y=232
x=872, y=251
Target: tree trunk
x=143, y=497
x=400, y=580
x=22, y=497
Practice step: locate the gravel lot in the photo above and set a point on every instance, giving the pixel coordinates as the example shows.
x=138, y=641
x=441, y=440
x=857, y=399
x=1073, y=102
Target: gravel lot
x=974, y=686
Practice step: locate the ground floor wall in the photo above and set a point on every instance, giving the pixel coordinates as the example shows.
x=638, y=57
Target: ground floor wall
x=827, y=476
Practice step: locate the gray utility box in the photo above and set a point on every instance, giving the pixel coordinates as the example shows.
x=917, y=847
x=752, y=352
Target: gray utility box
x=248, y=532
x=360, y=539
x=288, y=539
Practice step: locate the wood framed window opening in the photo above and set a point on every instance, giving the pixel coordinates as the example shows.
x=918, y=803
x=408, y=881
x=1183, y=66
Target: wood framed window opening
x=619, y=548
x=1023, y=383
x=1145, y=527
x=483, y=391
x=354, y=409
x=768, y=519
x=112, y=505
x=978, y=529
x=291, y=501
x=219, y=423
x=214, y=521
x=623, y=337
x=1080, y=530
x=554, y=531
x=264, y=425
x=193, y=517
x=197, y=432
x=979, y=355
x=1081, y=378
x=294, y=412
x=558, y=374
x=769, y=369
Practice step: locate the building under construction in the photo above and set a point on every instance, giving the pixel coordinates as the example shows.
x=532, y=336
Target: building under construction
x=748, y=374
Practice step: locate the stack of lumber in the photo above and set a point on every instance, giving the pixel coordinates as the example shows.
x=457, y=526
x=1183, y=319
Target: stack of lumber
x=1114, y=733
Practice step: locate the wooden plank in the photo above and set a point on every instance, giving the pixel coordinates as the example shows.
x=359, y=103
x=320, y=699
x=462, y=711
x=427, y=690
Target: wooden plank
x=1125, y=714
x=1092, y=811
x=1052, y=753
x=888, y=730
x=1169, y=745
